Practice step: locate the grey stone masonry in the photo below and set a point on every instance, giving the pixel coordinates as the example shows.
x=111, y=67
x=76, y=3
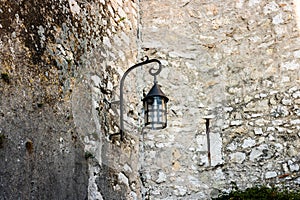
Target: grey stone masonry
x=230, y=71
x=60, y=63
x=235, y=63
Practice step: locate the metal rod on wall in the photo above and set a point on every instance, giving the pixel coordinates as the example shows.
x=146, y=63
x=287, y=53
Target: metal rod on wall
x=208, y=140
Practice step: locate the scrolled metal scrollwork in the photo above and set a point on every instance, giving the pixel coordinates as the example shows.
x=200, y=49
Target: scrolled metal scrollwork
x=153, y=71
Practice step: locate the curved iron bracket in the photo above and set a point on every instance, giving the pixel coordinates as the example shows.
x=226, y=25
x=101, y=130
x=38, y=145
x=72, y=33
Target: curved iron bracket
x=153, y=71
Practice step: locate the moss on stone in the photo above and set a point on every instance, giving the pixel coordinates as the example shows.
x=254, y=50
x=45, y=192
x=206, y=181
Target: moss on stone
x=259, y=192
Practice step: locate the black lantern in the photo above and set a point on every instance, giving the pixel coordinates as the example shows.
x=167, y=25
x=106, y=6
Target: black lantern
x=155, y=103
x=155, y=106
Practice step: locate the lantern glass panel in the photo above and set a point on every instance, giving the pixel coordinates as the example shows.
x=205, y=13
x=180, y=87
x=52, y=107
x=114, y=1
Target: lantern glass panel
x=155, y=112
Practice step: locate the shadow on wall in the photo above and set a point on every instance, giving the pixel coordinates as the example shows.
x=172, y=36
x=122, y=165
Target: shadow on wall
x=41, y=157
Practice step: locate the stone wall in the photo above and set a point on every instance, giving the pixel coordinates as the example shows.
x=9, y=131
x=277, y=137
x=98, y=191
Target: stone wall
x=231, y=71
x=59, y=61
x=113, y=164
x=234, y=65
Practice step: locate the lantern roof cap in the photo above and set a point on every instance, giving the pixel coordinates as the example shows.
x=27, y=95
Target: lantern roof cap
x=156, y=91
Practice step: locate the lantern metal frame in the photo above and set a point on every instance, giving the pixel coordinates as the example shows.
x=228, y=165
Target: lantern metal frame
x=155, y=107
x=155, y=91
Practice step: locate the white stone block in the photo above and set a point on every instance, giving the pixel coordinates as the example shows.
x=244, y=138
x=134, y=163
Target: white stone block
x=127, y=168
x=277, y=19
x=296, y=94
x=249, y=142
x=216, y=149
x=106, y=41
x=286, y=101
x=133, y=196
x=123, y=179
x=297, y=181
x=295, y=121
x=236, y=122
x=258, y=131
x=297, y=54
x=237, y=157
x=74, y=7
x=257, y=152
x=162, y=177
x=270, y=174
x=294, y=167
x=292, y=65
x=232, y=146
x=285, y=167
x=271, y=7
x=253, y=2
x=180, y=190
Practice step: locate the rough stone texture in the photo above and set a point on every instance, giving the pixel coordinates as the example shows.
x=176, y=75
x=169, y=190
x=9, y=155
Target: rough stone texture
x=58, y=59
x=42, y=156
x=236, y=62
x=231, y=64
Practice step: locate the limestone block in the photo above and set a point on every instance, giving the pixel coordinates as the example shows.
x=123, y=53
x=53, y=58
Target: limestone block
x=253, y=2
x=216, y=149
x=106, y=41
x=296, y=94
x=297, y=181
x=295, y=121
x=291, y=65
x=162, y=177
x=292, y=151
x=127, y=168
x=237, y=157
x=279, y=147
x=294, y=167
x=194, y=183
x=258, y=131
x=296, y=54
x=260, y=123
x=201, y=143
x=123, y=179
x=278, y=19
x=249, y=142
x=180, y=190
x=270, y=174
x=286, y=101
x=75, y=9
x=258, y=152
x=133, y=196
x=236, y=122
x=285, y=167
x=219, y=175
x=232, y=146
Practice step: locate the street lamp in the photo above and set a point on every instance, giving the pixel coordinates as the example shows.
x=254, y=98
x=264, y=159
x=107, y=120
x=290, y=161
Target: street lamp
x=155, y=102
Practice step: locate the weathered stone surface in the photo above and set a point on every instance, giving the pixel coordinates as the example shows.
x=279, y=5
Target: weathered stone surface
x=37, y=75
x=232, y=58
x=271, y=174
x=230, y=71
x=238, y=157
x=54, y=68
